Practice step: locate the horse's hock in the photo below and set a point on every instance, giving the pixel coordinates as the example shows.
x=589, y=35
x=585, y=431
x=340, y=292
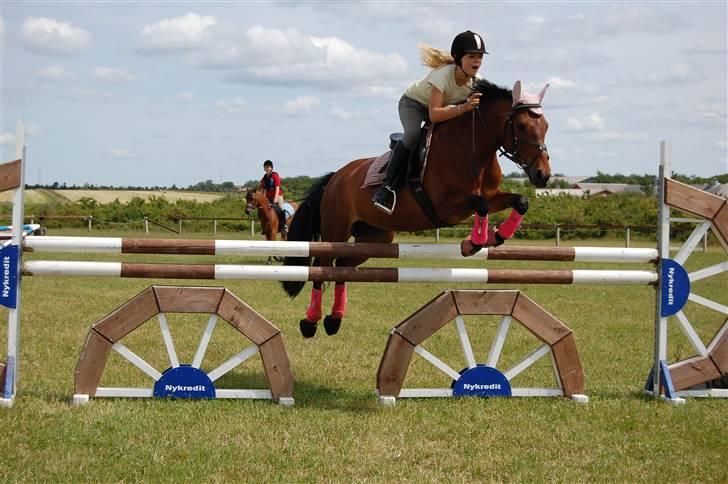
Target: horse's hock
x=407, y=338
x=180, y=379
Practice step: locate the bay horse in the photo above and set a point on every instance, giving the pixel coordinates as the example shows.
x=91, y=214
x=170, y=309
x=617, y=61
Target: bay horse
x=267, y=215
x=462, y=176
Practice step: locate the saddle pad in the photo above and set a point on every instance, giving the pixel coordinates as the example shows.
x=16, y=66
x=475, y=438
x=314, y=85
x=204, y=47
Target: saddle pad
x=376, y=171
x=288, y=208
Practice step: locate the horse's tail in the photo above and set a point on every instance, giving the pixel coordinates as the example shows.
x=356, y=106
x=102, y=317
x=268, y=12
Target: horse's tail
x=305, y=226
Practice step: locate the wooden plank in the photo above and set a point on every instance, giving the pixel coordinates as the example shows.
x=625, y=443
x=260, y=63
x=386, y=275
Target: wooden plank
x=167, y=246
x=526, y=276
x=720, y=223
x=485, y=302
x=718, y=349
x=353, y=274
x=243, y=318
x=538, y=321
x=393, y=367
x=568, y=365
x=128, y=317
x=693, y=371
x=428, y=319
x=91, y=364
x=168, y=271
x=10, y=175
x=277, y=367
x=506, y=252
x=692, y=200
x=184, y=299
x=359, y=249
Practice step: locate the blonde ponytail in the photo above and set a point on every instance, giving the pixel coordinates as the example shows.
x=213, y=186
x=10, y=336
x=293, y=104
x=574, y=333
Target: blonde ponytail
x=434, y=58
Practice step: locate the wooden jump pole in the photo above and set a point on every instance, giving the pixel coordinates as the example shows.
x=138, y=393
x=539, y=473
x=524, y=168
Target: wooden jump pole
x=336, y=274
x=118, y=245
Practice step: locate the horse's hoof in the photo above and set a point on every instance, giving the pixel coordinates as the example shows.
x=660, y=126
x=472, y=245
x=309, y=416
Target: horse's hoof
x=308, y=329
x=332, y=325
x=268, y=262
x=467, y=248
x=278, y=259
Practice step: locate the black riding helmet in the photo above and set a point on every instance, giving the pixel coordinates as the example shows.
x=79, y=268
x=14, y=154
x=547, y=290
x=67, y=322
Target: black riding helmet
x=464, y=43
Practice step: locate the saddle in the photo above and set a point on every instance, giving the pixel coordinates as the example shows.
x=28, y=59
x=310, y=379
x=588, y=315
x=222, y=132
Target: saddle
x=413, y=176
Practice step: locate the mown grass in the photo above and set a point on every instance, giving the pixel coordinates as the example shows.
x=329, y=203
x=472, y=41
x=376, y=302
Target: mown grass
x=336, y=431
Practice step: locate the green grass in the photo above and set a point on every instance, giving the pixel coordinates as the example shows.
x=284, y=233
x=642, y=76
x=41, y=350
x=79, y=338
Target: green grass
x=336, y=431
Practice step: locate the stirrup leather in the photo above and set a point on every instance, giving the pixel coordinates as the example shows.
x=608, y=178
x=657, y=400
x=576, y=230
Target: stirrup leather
x=384, y=208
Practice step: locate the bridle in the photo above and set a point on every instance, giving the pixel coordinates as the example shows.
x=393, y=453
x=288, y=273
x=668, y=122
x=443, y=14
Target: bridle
x=513, y=152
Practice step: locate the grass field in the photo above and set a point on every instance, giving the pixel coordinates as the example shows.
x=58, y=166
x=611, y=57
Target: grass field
x=43, y=196
x=336, y=431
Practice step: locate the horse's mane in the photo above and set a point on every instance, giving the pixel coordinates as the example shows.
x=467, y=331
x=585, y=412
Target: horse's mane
x=492, y=92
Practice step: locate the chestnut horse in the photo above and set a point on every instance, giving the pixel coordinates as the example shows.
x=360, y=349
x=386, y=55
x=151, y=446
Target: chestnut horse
x=462, y=177
x=269, y=221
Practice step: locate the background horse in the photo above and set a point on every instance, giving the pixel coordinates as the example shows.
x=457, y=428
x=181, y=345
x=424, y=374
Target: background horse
x=462, y=177
x=267, y=215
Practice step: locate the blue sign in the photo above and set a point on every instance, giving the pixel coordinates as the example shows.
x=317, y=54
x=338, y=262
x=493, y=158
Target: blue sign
x=185, y=381
x=675, y=285
x=9, y=290
x=481, y=381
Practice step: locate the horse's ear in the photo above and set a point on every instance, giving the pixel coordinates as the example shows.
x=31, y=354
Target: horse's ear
x=516, y=90
x=543, y=91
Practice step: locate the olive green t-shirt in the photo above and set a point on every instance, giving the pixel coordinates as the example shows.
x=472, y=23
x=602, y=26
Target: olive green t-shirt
x=443, y=78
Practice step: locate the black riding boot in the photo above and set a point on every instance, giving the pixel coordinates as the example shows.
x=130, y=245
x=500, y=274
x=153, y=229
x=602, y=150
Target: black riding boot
x=397, y=161
x=283, y=228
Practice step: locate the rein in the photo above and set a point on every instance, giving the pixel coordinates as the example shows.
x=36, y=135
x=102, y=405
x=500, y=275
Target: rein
x=512, y=154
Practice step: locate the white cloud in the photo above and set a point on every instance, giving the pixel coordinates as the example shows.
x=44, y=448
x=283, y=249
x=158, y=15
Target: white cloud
x=342, y=114
x=676, y=74
x=7, y=138
x=120, y=153
x=301, y=105
x=50, y=36
x=55, y=73
x=85, y=93
x=592, y=122
x=617, y=136
x=189, y=31
x=114, y=75
x=707, y=112
x=185, y=96
x=232, y=107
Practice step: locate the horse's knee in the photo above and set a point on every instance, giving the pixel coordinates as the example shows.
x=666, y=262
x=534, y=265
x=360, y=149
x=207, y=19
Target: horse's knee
x=479, y=204
x=520, y=204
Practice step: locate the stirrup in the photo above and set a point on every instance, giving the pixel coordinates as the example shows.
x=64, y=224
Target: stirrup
x=384, y=208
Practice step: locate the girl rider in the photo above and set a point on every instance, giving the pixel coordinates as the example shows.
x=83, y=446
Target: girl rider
x=436, y=98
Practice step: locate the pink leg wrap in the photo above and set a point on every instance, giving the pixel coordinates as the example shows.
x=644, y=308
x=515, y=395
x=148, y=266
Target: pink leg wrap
x=509, y=227
x=313, y=313
x=479, y=235
x=339, y=308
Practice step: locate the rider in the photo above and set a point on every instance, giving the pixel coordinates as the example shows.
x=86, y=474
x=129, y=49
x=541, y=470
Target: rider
x=271, y=183
x=437, y=97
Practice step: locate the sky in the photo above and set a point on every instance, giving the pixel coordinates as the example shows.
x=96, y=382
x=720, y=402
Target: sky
x=163, y=93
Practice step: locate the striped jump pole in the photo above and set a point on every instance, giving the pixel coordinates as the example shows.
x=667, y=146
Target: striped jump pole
x=335, y=274
x=118, y=245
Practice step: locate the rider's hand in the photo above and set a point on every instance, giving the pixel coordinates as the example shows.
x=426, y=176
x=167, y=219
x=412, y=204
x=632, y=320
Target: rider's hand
x=473, y=101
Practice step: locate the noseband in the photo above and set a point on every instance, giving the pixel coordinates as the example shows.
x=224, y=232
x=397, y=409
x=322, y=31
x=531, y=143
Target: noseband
x=511, y=153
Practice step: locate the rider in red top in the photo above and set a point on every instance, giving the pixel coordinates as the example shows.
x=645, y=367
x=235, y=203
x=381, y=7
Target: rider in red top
x=271, y=183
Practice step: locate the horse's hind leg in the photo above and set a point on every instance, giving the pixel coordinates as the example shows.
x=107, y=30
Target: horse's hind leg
x=309, y=325
x=332, y=322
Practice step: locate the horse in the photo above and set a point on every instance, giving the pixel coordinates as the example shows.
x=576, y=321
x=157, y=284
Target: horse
x=269, y=220
x=462, y=176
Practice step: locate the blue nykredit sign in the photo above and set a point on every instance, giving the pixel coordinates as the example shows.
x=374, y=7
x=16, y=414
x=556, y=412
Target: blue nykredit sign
x=675, y=284
x=482, y=381
x=9, y=261
x=185, y=381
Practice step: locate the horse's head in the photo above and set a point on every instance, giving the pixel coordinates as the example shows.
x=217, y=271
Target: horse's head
x=251, y=203
x=525, y=135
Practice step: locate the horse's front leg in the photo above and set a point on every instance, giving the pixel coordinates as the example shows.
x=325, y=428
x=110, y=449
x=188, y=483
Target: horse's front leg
x=482, y=234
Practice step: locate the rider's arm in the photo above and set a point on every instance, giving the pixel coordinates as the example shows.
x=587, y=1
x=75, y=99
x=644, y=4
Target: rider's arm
x=275, y=197
x=277, y=184
x=440, y=113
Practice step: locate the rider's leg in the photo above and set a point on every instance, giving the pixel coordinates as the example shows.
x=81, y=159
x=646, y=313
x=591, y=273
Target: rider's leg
x=412, y=114
x=397, y=162
x=280, y=209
